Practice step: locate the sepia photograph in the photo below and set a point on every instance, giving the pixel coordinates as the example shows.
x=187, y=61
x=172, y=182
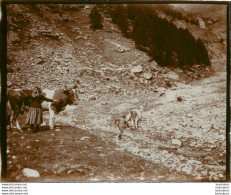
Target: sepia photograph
x=116, y=92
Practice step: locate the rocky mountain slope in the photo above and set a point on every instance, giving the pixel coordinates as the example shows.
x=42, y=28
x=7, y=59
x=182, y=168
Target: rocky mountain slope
x=49, y=43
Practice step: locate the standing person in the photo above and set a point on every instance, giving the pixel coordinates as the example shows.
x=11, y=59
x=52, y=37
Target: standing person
x=35, y=114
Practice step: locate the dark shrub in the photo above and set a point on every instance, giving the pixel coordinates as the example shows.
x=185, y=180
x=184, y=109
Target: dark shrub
x=96, y=19
x=119, y=16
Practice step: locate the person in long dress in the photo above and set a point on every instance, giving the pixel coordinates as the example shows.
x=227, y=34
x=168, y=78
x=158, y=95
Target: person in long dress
x=35, y=113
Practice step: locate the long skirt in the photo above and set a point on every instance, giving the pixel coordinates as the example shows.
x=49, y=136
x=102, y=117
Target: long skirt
x=34, y=116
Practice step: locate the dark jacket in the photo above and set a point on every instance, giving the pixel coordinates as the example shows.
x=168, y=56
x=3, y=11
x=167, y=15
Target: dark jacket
x=36, y=102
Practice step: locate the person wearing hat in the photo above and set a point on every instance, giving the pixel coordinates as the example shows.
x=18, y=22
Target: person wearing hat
x=35, y=113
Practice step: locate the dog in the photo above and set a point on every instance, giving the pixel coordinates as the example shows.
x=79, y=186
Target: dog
x=131, y=120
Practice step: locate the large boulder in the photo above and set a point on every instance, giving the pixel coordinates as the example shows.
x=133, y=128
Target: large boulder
x=172, y=76
x=30, y=173
x=154, y=66
x=137, y=69
x=120, y=49
x=148, y=75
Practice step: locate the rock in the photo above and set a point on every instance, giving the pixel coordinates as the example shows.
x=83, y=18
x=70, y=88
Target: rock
x=168, y=84
x=13, y=37
x=213, y=176
x=30, y=172
x=148, y=75
x=221, y=176
x=66, y=68
x=154, y=66
x=91, y=97
x=84, y=138
x=81, y=91
x=43, y=124
x=179, y=99
x=23, y=82
x=176, y=142
x=202, y=24
x=137, y=69
x=161, y=90
x=178, y=70
x=9, y=69
x=169, y=96
x=98, y=89
x=187, y=169
x=61, y=169
x=87, y=44
x=71, y=86
x=9, y=83
x=172, y=75
x=199, y=177
x=120, y=49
